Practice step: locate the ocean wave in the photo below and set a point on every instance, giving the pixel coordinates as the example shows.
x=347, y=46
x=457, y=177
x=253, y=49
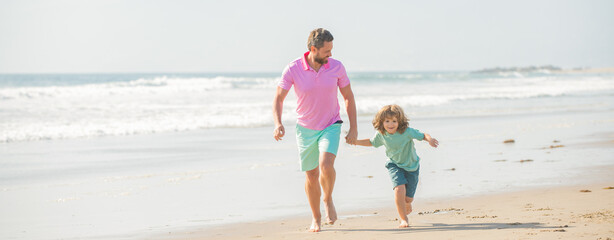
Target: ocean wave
x=484, y=90
x=174, y=104
x=87, y=130
x=157, y=85
x=370, y=105
x=124, y=120
x=199, y=83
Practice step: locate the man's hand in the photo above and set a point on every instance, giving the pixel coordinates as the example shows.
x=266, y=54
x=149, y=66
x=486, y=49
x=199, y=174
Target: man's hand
x=351, y=137
x=279, y=132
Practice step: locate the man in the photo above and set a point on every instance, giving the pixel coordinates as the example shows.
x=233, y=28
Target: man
x=316, y=78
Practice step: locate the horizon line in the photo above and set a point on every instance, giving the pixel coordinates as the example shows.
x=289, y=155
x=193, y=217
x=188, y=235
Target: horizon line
x=269, y=72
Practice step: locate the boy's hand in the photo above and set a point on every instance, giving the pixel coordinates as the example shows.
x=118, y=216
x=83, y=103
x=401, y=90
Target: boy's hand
x=433, y=142
x=279, y=132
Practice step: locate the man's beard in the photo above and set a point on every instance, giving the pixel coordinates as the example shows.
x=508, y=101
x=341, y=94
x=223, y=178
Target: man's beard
x=321, y=60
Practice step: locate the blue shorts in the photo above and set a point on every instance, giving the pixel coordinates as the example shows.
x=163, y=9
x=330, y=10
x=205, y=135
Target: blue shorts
x=400, y=176
x=311, y=142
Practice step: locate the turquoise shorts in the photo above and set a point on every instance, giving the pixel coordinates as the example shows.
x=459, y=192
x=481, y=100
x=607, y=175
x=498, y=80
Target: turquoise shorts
x=400, y=176
x=312, y=142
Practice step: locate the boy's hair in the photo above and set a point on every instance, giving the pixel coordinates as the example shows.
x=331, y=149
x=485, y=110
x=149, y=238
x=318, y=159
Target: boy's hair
x=390, y=111
x=317, y=37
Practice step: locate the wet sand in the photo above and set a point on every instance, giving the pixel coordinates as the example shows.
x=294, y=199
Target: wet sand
x=571, y=212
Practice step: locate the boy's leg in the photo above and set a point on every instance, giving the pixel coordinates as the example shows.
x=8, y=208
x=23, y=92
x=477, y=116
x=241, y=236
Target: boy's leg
x=397, y=175
x=399, y=198
x=408, y=201
x=327, y=180
x=410, y=188
x=312, y=188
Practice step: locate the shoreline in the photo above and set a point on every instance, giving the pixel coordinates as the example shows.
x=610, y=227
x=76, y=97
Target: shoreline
x=569, y=212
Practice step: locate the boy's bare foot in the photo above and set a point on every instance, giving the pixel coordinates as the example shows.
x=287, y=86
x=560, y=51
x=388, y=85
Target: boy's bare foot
x=331, y=213
x=404, y=224
x=315, y=226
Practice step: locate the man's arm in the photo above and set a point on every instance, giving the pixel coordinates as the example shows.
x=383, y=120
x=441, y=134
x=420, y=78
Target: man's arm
x=350, y=105
x=278, y=105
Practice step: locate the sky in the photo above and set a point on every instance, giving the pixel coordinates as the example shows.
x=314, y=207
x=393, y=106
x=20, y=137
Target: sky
x=124, y=36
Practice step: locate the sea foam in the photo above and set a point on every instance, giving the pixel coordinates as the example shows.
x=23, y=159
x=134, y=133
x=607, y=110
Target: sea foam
x=154, y=104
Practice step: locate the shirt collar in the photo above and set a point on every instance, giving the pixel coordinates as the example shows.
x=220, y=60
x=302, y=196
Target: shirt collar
x=306, y=65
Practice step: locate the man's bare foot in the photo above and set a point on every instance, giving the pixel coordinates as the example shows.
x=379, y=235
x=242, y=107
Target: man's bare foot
x=315, y=226
x=404, y=224
x=331, y=212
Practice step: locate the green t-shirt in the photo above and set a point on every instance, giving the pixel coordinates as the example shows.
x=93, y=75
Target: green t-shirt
x=400, y=147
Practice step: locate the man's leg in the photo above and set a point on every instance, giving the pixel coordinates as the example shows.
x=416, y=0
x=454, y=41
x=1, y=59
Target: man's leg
x=327, y=180
x=312, y=188
x=307, y=141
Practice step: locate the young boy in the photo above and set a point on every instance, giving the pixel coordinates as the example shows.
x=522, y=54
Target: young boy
x=394, y=133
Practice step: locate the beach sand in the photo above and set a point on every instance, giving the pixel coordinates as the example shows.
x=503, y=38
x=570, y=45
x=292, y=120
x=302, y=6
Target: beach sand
x=568, y=210
x=571, y=212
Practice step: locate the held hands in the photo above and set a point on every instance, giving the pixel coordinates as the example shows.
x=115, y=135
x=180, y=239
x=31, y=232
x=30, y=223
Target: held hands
x=279, y=132
x=351, y=137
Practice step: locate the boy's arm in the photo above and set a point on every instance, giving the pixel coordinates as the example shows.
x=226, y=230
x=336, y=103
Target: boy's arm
x=433, y=142
x=364, y=142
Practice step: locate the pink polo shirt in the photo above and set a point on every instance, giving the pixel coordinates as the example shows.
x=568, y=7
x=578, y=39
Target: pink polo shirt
x=318, y=106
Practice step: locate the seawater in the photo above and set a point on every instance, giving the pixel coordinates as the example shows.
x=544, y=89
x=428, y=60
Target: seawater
x=66, y=106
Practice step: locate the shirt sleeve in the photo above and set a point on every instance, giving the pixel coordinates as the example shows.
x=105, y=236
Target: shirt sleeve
x=415, y=134
x=377, y=140
x=286, y=79
x=343, y=80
